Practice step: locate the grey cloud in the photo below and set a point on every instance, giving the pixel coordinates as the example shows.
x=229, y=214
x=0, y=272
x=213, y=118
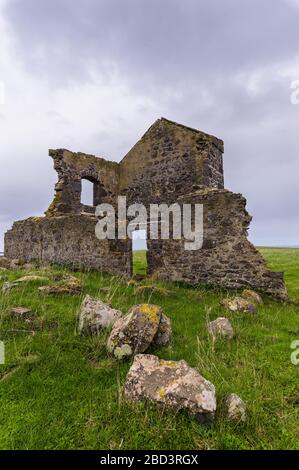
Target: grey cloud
x=152, y=40
x=187, y=57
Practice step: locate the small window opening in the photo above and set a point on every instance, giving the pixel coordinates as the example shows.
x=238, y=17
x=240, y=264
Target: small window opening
x=87, y=192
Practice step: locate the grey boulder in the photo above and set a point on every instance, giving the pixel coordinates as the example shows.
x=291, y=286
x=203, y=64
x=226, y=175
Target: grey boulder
x=172, y=385
x=235, y=408
x=96, y=315
x=221, y=327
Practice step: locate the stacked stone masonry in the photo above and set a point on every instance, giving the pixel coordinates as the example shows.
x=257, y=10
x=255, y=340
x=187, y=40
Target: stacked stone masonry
x=171, y=163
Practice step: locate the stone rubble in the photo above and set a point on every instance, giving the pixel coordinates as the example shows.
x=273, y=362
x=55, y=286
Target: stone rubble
x=238, y=304
x=134, y=333
x=252, y=296
x=21, y=312
x=96, y=315
x=69, y=287
x=221, y=327
x=235, y=408
x=172, y=385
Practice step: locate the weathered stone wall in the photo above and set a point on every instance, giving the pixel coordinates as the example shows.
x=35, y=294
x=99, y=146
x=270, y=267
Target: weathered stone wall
x=67, y=240
x=226, y=259
x=72, y=168
x=168, y=161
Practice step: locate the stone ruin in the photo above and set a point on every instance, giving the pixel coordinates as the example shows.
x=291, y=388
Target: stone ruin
x=171, y=163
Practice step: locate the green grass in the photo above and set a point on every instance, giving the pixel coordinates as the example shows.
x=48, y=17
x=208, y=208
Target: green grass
x=61, y=391
x=139, y=262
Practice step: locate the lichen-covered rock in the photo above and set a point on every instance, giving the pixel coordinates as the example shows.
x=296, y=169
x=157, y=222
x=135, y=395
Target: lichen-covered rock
x=235, y=408
x=252, y=296
x=67, y=287
x=7, y=286
x=238, y=304
x=4, y=262
x=64, y=277
x=96, y=315
x=163, y=335
x=173, y=385
x=21, y=312
x=221, y=327
x=134, y=333
x=31, y=278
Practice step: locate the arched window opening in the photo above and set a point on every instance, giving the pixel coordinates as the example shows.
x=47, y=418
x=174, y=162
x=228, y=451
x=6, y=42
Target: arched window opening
x=87, y=193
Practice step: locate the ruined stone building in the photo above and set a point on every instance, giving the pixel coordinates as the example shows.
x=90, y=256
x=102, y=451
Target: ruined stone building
x=170, y=163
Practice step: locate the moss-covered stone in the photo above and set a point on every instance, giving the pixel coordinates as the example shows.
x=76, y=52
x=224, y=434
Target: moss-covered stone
x=137, y=330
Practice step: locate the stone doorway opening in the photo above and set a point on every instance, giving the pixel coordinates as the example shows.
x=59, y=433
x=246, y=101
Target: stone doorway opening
x=139, y=253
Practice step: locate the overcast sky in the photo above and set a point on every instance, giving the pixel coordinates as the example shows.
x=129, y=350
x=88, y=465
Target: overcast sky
x=92, y=76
